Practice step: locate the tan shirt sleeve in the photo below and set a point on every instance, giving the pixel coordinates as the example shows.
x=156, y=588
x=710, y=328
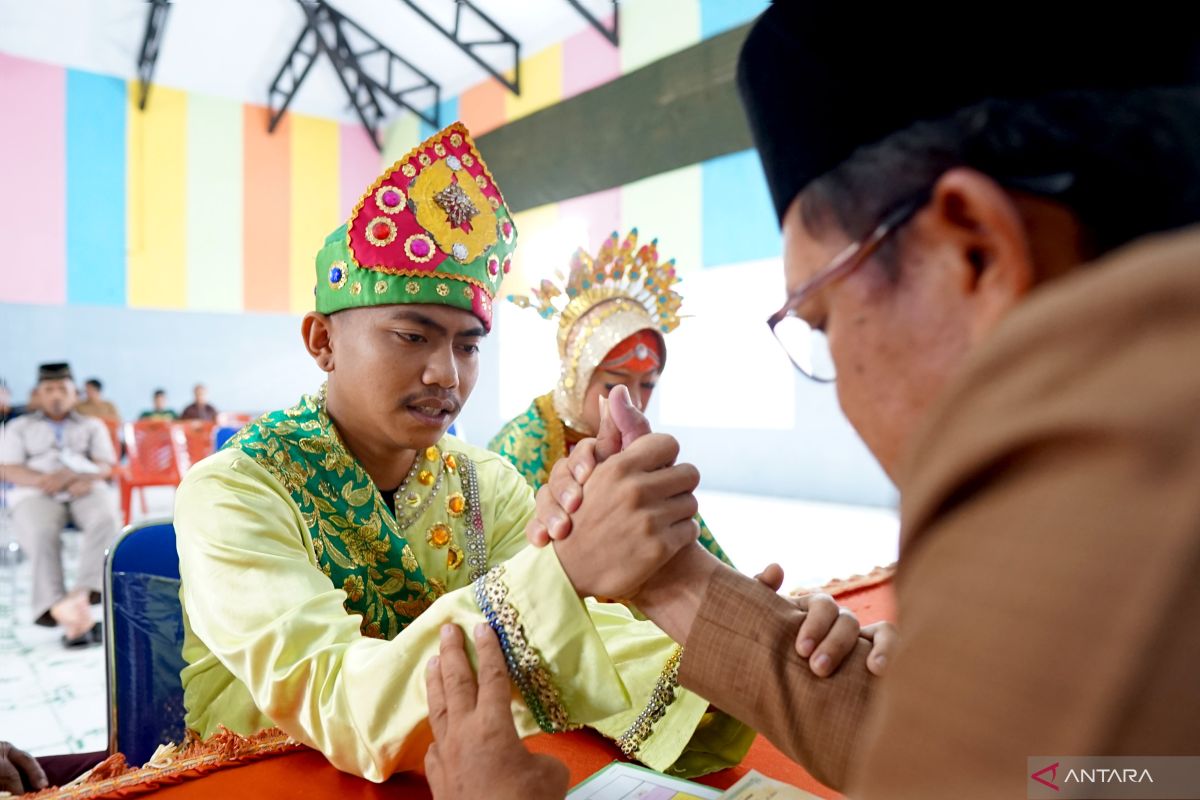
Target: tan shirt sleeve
x=1047, y=589
x=741, y=655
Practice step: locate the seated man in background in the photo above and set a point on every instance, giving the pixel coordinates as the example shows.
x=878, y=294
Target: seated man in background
x=95, y=405
x=160, y=409
x=58, y=461
x=200, y=408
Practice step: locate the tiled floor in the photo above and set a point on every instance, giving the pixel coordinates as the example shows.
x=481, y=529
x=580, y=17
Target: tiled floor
x=53, y=701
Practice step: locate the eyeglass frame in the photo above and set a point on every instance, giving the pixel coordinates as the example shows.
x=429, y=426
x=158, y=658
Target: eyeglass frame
x=841, y=266
x=1052, y=185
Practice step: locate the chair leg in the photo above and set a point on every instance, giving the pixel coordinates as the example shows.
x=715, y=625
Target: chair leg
x=127, y=501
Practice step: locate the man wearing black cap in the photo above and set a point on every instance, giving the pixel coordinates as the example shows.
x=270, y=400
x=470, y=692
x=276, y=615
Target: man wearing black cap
x=991, y=243
x=58, y=461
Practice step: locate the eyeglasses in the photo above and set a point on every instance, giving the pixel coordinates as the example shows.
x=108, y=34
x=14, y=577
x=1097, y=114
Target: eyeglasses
x=806, y=346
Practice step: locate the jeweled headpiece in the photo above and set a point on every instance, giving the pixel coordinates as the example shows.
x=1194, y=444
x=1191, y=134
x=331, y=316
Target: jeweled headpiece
x=433, y=228
x=600, y=303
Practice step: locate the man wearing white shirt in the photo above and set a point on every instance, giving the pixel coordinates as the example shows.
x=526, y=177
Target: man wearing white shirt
x=57, y=462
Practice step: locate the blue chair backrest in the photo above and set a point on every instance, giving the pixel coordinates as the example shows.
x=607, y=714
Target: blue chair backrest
x=143, y=642
x=223, y=435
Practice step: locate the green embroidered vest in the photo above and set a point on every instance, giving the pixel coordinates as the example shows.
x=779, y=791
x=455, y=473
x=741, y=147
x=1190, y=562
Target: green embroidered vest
x=359, y=542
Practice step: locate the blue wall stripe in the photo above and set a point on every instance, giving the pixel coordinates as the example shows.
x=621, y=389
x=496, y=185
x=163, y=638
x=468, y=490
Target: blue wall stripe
x=447, y=113
x=718, y=16
x=95, y=189
x=738, y=219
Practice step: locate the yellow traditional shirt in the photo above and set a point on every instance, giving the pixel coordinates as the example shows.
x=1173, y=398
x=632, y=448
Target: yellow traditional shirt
x=293, y=619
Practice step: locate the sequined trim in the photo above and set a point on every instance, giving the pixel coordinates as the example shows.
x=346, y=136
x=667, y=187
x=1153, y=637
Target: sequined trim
x=476, y=537
x=524, y=663
x=411, y=496
x=660, y=699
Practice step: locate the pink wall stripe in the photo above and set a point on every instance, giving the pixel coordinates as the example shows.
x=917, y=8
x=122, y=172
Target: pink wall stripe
x=588, y=61
x=600, y=210
x=33, y=159
x=360, y=164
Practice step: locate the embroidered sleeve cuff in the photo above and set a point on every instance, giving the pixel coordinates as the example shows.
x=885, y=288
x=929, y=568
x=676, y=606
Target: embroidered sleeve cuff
x=663, y=733
x=555, y=655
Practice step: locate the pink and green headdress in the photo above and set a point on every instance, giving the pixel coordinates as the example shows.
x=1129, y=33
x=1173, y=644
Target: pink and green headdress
x=433, y=229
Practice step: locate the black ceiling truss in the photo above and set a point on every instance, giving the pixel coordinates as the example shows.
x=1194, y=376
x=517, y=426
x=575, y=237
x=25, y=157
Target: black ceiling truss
x=369, y=71
x=608, y=33
x=497, y=38
x=156, y=23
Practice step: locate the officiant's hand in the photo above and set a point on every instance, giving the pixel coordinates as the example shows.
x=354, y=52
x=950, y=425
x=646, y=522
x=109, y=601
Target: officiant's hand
x=829, y=631
x=621, y=424
x=476, y=750
x=636, y=515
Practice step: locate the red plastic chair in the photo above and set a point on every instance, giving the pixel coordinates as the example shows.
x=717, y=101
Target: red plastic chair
x=198, y=438
x=114, y=433
x=157, y=452
x=233, y=419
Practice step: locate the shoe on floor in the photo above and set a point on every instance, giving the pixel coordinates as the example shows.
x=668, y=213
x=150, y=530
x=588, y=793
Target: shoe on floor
x=86, y=639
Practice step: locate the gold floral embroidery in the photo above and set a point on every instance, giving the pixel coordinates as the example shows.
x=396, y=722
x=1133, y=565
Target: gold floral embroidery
x=408, y=559
x=355, y=538
x=353, y=587
x=364, y=545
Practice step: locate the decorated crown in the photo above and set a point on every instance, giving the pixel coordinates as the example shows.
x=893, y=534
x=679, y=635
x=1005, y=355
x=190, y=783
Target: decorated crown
x=433, y=228
x=617, y=273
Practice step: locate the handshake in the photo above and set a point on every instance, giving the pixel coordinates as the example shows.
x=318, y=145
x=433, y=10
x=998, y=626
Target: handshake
x=619, y=513
x=618, y=509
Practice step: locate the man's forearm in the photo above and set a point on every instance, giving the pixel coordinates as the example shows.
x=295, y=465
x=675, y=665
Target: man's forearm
x=672, y=597
x=103, y=472
x=740, y=655
x=19, y=475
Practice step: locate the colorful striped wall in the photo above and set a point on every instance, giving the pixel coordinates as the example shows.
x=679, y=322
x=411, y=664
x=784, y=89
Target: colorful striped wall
x=719, y=212
x=188, y=205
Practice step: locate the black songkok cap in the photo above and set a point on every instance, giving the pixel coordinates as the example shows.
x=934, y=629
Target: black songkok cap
x=820, y=79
